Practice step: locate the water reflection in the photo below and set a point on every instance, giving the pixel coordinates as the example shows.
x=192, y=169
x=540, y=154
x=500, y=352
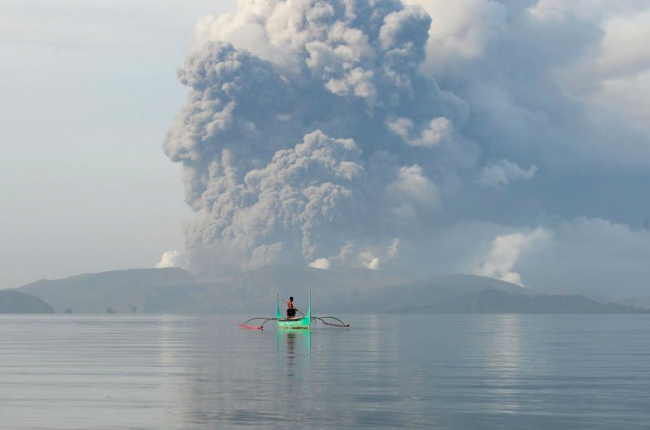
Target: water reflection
x=503, y=353
x=444, y=372
x=293, y=352
x=503, y=346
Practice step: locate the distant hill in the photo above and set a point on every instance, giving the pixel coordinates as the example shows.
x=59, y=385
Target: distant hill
x=255, y=290
x=639, y=302
x=428, y=292
x=175, y=290
x=491, y=301
x=468, y=294
x=636, y=302
x=148, y=290
x=14, y=302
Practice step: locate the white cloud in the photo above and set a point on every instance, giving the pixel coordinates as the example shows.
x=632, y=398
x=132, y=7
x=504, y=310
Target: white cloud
x=372, y=264
x=436, y=131
x=615, y=73
x=629, y=94
x=341, y=258
x=172, y=259
x=369, y=261
x=504, y=252
x=500, y=173
x=321, y=263
x=462, y=29
x=412, y=184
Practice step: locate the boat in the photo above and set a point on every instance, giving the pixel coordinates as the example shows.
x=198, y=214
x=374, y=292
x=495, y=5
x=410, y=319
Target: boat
x=302, y=322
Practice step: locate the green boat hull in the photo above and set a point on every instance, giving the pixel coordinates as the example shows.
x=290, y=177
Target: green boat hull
x=303, y=323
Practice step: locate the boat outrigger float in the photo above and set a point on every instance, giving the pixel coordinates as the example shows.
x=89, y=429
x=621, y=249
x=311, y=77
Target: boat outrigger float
x=302, y=322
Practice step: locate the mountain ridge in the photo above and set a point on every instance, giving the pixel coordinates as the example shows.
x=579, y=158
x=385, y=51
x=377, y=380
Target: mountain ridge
x=491, y=301
x=16, y=302
x=174, y=290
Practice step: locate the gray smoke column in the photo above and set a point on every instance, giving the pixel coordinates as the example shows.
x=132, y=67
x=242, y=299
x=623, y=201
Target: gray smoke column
x=309, y=134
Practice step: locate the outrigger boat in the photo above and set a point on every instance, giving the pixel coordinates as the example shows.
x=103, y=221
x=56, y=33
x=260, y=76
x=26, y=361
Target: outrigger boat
x=303, y=322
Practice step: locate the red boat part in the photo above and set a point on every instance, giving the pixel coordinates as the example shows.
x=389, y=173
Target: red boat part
x=250, y=327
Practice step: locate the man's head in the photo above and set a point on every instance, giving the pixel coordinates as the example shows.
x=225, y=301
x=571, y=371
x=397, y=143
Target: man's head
x=291, y=298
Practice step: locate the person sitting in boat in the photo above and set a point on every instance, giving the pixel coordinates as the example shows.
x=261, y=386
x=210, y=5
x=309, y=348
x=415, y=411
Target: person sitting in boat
x=291, y=311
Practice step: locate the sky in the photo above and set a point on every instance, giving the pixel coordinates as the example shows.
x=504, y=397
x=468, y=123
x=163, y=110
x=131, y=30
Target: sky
x=88, y=90
x=504, y=139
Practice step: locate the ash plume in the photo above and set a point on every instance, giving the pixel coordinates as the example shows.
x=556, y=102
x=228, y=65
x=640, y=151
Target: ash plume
x=379, y=135
x=323, y=137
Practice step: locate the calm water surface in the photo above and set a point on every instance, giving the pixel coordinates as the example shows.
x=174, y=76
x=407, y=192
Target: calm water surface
x=440, y=372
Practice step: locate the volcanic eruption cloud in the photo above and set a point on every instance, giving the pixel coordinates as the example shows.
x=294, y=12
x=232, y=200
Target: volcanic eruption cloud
x=329, y=133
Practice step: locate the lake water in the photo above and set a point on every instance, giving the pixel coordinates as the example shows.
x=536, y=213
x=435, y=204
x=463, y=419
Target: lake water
x=440, y=372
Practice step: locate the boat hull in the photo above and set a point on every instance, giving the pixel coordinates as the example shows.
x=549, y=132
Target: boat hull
x=301, y=323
